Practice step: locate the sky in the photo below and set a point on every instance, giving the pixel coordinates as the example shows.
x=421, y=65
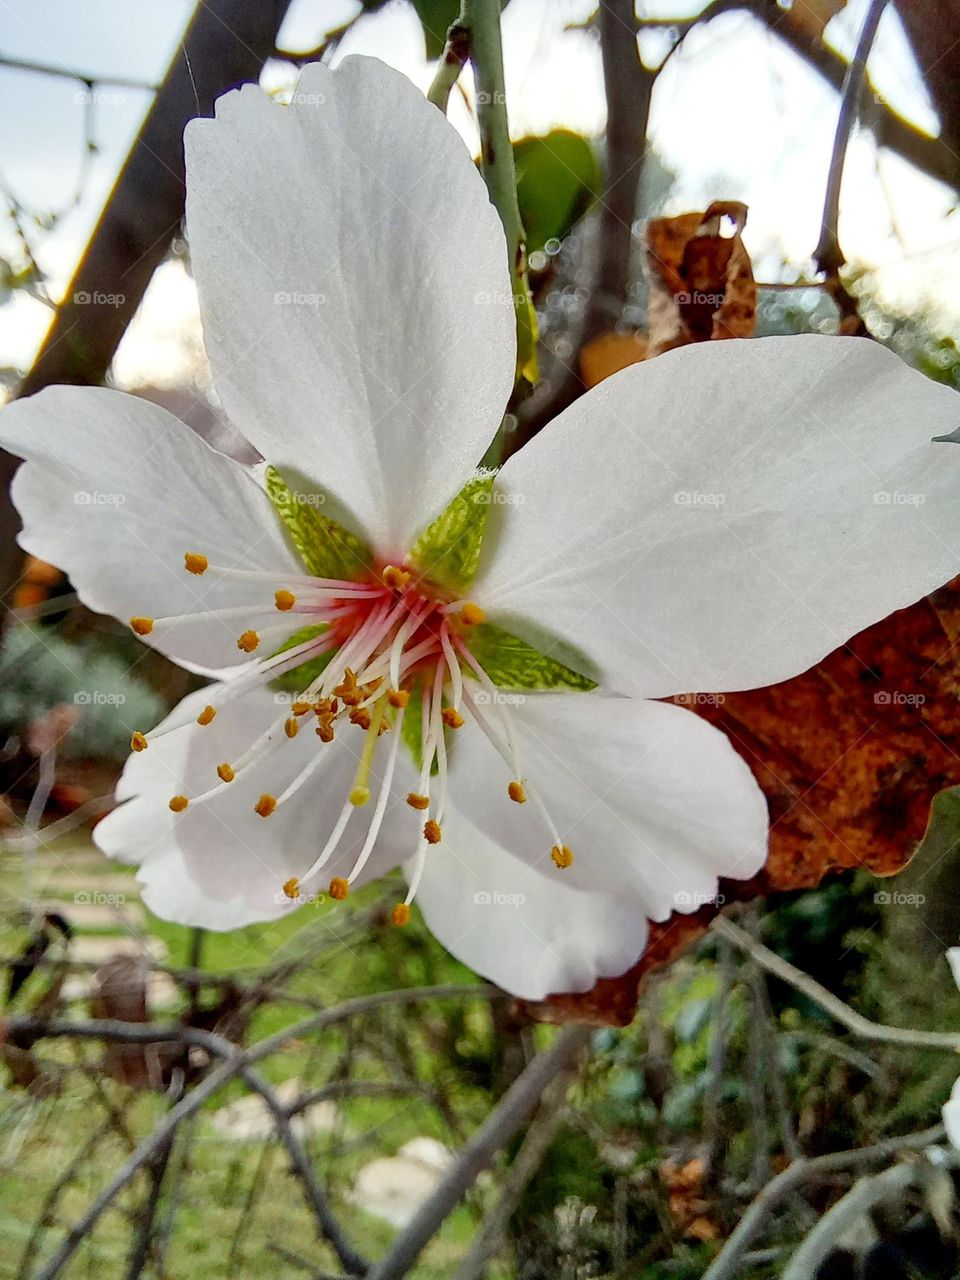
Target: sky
x=734, y=115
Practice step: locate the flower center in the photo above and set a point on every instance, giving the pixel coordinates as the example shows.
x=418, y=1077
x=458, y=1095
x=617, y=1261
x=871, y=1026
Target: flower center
x=372, y=654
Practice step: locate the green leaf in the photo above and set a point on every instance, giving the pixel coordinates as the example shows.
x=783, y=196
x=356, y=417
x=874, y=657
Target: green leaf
x=326, y=548
x=448, y=550
x=558, y=178
x=511, y=663
x=300, y=677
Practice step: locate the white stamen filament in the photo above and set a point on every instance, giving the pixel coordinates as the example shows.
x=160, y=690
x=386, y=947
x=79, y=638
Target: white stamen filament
x=334, y=839
x=377, y=820
x=453, y=666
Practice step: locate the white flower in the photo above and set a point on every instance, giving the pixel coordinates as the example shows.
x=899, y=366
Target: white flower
x=707, y=521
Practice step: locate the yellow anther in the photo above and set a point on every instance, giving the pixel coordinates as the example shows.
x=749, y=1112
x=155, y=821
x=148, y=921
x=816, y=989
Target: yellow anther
x=206, y=715
x=300, y=707
x=291, y=727
x=359, y=796
x=398, y=697
x=516, y=792
x=471, y=615
x=394, y=578
x=325, y=731
x=361, y=717
x=416, y=801
x=141, y=626
x=195, y=563
x=451, y=718
x=138, y=741
x=248, y=641
x=291, y=887
x=561, y=855
x=178, y=803
x=431, y=832
x=225, y=772
x=339, y=888
x=284, y=600
x=400, y=915
x=265, y=805
x=347, y=684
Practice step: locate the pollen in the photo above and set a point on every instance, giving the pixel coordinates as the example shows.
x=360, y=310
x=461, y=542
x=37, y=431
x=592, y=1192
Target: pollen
x=339, y=888
x=398, y=698
x=361, y=717
x=178, y=803
x=284, y=600
x=195, y=563
x=416, y=801
x=431, y=832
x=561, y=855
x=325, y=731
x=516, y=792
x=359, y=796
x=291, y=888
x=471, y=615
x=394, y=578
x=138, y=741
x=301, y=707
x=141, y=626
x=265, y=805
x=225, y=772
x=206, y=715
x=400, y=915
x=451, y=718
x=291, y=727
x=248, y=641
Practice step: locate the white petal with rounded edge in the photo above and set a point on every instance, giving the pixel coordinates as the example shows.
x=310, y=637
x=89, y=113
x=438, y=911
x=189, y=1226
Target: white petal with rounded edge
x=951, y=1115
x=218, y=864
x=354, y=291
x=115, y=490
x=726, y=514
x=653, y=801
x=532, y=932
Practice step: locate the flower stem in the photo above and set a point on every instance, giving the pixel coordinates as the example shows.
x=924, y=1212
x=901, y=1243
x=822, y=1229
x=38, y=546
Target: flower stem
x=476, y=34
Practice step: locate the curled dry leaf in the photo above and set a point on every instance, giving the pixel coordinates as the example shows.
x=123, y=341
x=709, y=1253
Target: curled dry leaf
x=849, y=755
x=701, y=281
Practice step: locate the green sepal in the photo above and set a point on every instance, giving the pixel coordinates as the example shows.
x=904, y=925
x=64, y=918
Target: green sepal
x=327, y=549
x=448, y=550
x=511, y=663
x=300, y=677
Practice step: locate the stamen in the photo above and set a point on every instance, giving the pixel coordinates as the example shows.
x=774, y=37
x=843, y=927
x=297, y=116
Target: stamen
x=206, y=715
x=452, y=719
x=138, y=741
x=417, y=801
x=561, y=855
x=516, y=792
x=471, y=615
x=404, y=632
x=291, y=727
x=453, y=666
x=178, y=803
x=225, y=773
x=360, y=791
x=431, y=832
x=291, y=888
x=398, y=698
x=338, y=888
x=265, y=805
x=377, y=819
x=394, y=578
x=284, y=600
x=194, y=562
x=248, y=641
x=141, y=626
x=400, y=915
x=332, y=842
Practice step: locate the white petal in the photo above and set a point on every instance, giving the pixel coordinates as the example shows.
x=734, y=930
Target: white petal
x=354, y=290
x=115, y=490
x=218, y=864
x=725, y=515
x=531, y=932
x=653, y=801
x=951, y=1115
x=953, y=959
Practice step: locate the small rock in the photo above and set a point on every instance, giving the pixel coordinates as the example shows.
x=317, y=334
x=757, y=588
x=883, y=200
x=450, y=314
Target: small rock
x=395, y=1188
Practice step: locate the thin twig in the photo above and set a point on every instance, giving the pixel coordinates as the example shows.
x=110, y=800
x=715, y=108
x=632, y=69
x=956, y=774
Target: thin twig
x=506, y=1119
x=456, y=51
x=837, y=1008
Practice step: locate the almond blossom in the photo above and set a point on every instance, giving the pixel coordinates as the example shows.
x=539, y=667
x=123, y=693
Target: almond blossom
x=418, y=663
